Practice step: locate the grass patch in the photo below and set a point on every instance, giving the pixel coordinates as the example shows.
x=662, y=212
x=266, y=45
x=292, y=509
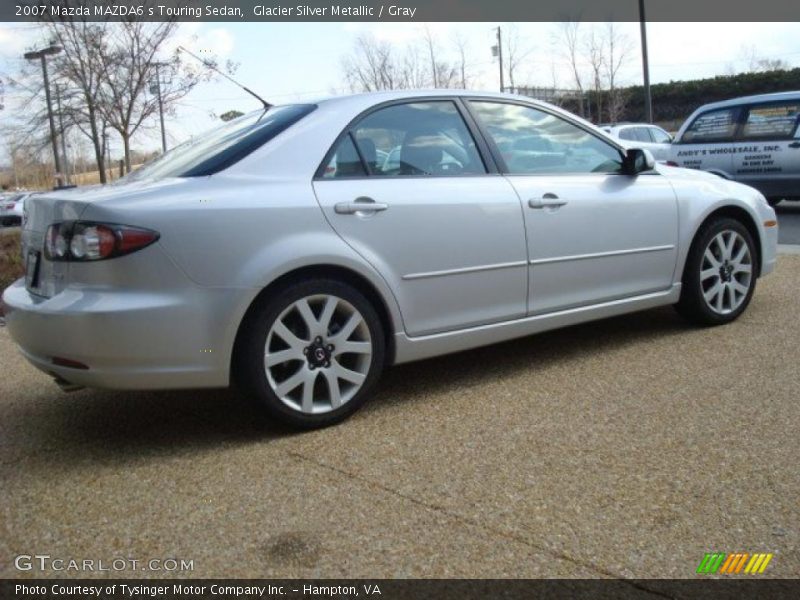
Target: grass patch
x=11, y=267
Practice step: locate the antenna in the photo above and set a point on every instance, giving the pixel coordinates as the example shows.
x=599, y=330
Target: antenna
x=266, y=104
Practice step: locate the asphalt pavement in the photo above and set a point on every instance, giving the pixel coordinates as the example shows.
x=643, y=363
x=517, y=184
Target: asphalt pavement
x=788, y=222
x=623, y=448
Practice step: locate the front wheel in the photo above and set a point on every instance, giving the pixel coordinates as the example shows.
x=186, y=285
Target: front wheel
x=312, y=353
x=720, y=274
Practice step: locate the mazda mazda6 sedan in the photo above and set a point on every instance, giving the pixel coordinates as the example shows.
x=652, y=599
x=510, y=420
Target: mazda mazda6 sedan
x=286, y=252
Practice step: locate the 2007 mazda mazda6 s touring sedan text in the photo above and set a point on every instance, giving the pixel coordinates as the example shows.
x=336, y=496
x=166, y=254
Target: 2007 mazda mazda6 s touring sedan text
x=299, y=250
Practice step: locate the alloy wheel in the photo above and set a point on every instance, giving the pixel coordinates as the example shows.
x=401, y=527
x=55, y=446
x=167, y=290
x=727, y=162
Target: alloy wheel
x=726, y=272
x=318, y=353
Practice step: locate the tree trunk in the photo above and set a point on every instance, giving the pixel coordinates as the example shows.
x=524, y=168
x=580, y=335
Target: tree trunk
x=126, y=143
x=99, y=148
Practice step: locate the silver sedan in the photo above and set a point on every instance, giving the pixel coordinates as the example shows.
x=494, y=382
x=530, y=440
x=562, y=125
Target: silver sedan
x=285, y=252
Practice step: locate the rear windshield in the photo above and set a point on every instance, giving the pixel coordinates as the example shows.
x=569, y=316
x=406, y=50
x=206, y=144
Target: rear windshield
x=223, y=146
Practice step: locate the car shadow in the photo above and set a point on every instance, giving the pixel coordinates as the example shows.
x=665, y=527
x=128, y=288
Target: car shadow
x=95, y=427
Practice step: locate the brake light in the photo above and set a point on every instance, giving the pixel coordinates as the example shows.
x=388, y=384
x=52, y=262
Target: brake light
x=87, y=241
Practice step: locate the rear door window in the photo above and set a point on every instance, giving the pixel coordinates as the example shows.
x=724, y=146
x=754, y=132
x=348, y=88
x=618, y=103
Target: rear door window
x=712, y=126
x=771, y=121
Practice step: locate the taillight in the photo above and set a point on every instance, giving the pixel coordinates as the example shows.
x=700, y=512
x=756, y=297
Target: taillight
x=86, y=241
x=672, y=163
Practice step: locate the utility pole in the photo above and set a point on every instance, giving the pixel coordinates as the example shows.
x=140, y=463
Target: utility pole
x=161, y=109
x=61, y=133
x=648, y=99
x=42, y=55
x=500, y=57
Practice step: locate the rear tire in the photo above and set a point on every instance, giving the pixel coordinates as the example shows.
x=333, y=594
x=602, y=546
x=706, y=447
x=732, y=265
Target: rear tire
x=311, y=353
x=720, y=273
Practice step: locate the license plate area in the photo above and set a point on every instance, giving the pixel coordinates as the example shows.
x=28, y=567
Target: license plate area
x=33, y=262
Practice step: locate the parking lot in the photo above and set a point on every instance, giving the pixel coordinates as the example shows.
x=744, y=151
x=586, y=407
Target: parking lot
x=623, y=448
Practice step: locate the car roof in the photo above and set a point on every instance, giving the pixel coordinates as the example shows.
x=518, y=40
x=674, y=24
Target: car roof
x=773, y=97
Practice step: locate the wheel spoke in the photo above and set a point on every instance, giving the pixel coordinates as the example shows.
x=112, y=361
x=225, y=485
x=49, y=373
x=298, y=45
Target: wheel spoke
x=333, y=388
x=287, y=336
x=742, y=289
x=740, y=255
x=282, y=356
x=708, y=273
x=353, y=347
x=732, y=237
x=743, y=268
x=731, y=297
x=327, y=314
x=346, y=374
x=721, y=245
x=712, y=292
x=308, y=392
x=287, y=386
x=709, y=256
x=720, y=298
x=308, y=317
x=347, y=330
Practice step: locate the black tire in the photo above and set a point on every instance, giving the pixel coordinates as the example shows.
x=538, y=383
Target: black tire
x=249, y=368
x=773, y=202
x=692, y=304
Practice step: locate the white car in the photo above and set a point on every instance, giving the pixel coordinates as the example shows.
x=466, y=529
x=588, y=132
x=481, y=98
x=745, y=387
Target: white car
x=642, y=135
x=11, y=208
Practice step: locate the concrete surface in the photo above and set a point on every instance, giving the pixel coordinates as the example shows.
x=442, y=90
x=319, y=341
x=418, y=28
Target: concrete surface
x=788, y=222
x=623, y=448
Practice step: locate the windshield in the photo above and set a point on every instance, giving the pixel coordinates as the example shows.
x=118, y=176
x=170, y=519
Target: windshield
x=223, y=146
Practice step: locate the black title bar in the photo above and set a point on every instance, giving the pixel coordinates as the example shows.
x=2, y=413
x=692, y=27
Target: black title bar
x=400, y=11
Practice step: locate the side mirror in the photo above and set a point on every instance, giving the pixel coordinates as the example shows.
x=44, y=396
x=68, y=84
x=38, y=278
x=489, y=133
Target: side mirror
x=637, y=160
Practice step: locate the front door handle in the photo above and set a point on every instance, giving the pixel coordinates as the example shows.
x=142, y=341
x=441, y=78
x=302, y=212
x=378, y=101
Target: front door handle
x=546, y=201
x=362, y=205
x=794, y=145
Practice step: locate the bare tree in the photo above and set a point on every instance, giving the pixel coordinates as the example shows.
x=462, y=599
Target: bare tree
x=79, y=70
x=442, y=73
x=594, y=54
x=375, y=65
x=618, y=53
x=515, y=53
x=570, y=41
x=758, y=64
x=460, y=43
x=371, y=66
x=131, y=62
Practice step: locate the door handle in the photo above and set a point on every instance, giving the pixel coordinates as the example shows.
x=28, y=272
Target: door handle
x=359, y=205
x=546, y=201
x=794, y=145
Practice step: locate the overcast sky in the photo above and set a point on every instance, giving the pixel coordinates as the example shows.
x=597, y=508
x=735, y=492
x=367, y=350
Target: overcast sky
x=298, y=61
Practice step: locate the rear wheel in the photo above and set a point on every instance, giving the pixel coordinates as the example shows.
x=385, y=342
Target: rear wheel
x=720, y=273
x=312, y=353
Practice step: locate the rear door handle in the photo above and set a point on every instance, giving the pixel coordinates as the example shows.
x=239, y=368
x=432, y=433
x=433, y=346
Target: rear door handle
x=361, y=205
x=794, y=145
x=546, y=201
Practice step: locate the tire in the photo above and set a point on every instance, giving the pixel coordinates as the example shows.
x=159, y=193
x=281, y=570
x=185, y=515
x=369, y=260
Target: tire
x=288, y=358
x=720, y=274
x=773, y=202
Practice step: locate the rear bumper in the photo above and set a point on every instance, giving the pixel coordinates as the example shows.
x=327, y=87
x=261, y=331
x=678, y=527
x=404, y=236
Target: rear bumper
x=128, y=339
